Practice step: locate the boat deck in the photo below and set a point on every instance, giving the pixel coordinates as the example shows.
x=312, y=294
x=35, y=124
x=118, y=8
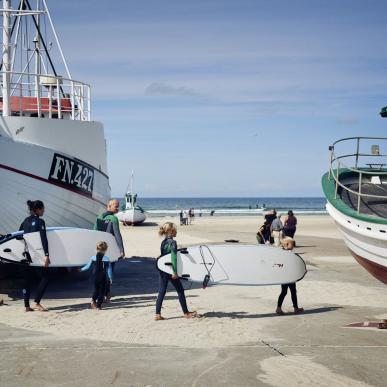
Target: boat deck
x=368, y=205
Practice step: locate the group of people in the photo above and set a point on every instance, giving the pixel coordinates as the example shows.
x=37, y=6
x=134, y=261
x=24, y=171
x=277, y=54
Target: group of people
x=103, y=267
x=187, y=217
x=274, y=231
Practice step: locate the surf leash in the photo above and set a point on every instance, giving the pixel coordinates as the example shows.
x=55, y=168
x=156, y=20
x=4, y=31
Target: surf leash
x=207, y=277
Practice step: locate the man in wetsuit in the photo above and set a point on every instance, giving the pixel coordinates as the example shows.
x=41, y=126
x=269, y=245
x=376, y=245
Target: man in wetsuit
x=108, y=222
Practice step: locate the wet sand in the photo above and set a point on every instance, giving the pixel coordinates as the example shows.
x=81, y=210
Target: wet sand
x=240, y=340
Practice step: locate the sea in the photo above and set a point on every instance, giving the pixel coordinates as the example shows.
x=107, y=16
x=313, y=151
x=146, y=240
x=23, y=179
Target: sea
x=232, y=206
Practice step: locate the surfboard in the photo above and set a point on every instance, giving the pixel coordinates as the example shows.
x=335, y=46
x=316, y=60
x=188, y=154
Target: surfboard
x=236, y=265
x=68, y=247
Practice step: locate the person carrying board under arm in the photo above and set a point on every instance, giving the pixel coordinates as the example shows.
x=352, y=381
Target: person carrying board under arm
x=169, y=246
x=34, y=223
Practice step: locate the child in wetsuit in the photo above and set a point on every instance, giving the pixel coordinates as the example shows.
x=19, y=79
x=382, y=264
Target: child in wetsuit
x=102, y=274
x=169, y=246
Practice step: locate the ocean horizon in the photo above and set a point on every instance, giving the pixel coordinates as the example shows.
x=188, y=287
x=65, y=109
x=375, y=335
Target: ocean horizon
x=231, y=205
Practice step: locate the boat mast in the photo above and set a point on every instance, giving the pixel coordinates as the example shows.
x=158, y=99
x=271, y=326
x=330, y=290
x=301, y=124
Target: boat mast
x=6, y=55
x=37, y=52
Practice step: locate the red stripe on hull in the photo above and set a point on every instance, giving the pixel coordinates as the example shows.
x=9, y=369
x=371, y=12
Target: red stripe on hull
x=378, y=271
x=48, y=182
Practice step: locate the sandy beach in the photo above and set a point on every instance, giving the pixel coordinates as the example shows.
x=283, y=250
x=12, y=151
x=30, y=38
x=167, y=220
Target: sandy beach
x=305, y=348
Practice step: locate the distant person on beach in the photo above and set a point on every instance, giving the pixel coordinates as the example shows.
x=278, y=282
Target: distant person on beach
x=270, y=216
x=290, y=224
x=181, y=217
x=288, y=244
x=34, y=223
x=185, y=218
x=276, y=228
x=169, y=246
x=190, y=216
x=102, y=274
x=109, y=222
x=263, y=234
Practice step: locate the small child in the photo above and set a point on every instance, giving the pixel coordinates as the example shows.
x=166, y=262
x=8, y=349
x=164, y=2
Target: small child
x=102, y=274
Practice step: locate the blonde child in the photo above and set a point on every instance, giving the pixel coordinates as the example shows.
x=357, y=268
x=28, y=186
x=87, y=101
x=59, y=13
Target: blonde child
x=169, y=246
x=102, y=274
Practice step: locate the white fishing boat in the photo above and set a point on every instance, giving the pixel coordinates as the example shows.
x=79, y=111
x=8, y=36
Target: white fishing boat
x=132, y=214
x=356, y=190
x=50, y=148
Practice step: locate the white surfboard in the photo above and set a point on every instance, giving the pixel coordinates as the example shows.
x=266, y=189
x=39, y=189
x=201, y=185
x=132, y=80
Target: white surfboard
x=68, y=247
x=236, y=264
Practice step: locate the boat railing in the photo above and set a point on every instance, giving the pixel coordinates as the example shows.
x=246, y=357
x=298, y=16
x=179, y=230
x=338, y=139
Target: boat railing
x=339, y=161
x=51, y=96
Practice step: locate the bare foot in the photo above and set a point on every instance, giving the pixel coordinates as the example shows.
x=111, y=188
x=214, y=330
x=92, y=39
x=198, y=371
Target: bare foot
x=93, y=305
x=159, y=317
x=29, y=309
x=279, y=311
x=192, y=315
x=40, y=308
x=1, y=302
x=298, y=310
x=108, y=297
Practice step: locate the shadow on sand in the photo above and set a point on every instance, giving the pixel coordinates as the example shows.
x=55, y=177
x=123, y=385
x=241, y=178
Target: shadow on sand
x=246, y=315
x=132, y=277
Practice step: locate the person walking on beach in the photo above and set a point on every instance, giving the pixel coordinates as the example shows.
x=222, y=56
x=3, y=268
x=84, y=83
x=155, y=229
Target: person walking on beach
x=109, y=222
x=185, y=218
x=269, y=217
x=263, y=233
x=290, y=224
x=102, y=274
x=169, y=246
x=276, y=228
x=181, y=217
x=288, y=244
x=34, y=223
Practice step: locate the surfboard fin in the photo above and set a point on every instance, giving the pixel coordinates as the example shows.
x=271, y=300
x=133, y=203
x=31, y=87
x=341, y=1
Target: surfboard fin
x=206, y=280
x=27, y=256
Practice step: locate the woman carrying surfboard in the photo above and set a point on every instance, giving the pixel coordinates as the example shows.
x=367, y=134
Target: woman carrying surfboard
x=34, y=223
x=169, y=246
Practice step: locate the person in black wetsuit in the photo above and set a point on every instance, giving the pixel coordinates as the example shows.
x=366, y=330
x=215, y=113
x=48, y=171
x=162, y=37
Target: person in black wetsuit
x=34, y=223
x=169, y=246
x=288, y=244
x=102, y=274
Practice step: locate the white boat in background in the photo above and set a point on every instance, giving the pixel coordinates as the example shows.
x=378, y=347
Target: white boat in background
x=357, y=199
x=132, y=214
x=50, y=149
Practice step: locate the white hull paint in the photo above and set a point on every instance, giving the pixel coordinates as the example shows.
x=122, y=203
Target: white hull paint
x=365, y=239
x=25, y=175
x=131, y=216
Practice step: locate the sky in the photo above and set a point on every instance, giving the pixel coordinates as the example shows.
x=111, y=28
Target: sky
x=227, y=98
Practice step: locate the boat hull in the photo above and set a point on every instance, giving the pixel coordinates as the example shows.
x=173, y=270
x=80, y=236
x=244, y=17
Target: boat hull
x=31, y=172
x=366, y=241
x=131, y=217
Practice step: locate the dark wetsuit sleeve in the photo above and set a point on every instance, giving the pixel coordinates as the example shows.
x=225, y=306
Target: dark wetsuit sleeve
x=117, y=235
x=174, y=256
x=43, y=236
